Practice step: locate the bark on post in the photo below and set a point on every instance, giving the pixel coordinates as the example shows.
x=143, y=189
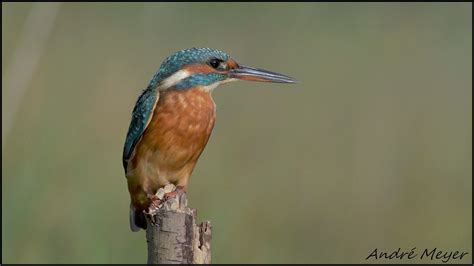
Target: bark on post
x=173, y=235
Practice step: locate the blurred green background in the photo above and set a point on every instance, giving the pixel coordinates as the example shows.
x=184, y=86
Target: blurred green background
x=372, y=149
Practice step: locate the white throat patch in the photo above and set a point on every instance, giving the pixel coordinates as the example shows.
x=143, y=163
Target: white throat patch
x=210, y=88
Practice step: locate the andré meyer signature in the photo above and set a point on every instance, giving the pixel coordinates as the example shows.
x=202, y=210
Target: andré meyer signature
x=427, y=254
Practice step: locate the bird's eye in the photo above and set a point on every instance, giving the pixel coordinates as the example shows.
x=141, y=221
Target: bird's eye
x=217, y=63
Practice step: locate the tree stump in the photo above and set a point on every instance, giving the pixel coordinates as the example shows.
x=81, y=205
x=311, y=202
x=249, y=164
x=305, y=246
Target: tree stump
x=173, y=235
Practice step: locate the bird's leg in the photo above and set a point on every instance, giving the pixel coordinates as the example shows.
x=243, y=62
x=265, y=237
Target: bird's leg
x=154, y=203
x=179, y=190
x=155, y=200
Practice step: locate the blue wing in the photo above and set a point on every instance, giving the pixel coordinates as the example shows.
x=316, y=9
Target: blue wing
x=141, y=116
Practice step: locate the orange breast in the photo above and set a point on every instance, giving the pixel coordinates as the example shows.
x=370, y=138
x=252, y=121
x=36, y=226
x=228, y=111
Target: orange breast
x=173, y=141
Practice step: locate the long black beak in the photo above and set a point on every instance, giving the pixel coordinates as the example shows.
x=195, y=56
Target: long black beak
x=255, y=74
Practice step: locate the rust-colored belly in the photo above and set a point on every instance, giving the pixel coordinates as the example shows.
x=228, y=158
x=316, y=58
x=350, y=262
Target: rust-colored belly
x=172, y=143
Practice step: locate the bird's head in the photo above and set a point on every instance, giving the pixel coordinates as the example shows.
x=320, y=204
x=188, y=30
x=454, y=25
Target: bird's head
x=208, y=68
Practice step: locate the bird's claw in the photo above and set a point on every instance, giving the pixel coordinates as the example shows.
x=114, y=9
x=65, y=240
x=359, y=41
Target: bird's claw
x=178, y=191
x=156, y=200
x=155, y=203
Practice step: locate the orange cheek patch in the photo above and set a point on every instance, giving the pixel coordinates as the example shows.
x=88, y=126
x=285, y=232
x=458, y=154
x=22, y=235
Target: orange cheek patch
x=198, y=68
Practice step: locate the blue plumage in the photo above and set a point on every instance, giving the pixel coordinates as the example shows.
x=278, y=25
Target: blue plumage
x=140, y=116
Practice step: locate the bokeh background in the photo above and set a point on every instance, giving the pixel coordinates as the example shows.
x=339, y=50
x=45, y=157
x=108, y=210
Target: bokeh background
x=372, y=149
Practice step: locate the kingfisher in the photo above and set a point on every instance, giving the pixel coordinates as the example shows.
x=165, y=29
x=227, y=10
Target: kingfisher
x=172, y=121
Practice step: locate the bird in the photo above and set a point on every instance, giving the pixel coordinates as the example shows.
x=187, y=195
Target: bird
x=172, y=121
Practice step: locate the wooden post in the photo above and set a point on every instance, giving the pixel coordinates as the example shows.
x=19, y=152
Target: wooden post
x=172, y=234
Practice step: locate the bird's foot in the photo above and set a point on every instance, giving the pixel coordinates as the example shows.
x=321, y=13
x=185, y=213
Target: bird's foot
x=162, y=195
x=155, y=204
x=178, y=191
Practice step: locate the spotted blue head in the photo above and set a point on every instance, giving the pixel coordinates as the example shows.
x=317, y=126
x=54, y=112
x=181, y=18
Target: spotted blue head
x=207, y=68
